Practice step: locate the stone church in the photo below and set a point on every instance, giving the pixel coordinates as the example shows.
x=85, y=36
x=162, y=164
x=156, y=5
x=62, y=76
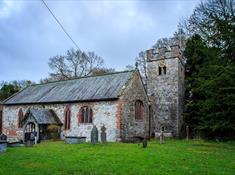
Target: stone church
x=120, y=101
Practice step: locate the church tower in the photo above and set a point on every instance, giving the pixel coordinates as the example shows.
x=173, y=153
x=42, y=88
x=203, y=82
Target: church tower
x=165, y=87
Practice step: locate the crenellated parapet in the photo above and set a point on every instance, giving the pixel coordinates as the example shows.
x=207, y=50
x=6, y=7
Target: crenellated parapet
x=173, y=51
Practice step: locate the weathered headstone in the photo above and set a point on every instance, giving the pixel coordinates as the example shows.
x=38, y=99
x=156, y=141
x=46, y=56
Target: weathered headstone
x=3, y=143
x=3, y=137
x=29, y=143
x=94, y=135
x=103, y=135
x=161, y=138
x=145, y=143
x=187, y=132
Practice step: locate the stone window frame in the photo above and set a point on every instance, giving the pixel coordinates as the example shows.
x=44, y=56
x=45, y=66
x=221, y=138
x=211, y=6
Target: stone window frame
x=85, y=115
x=67, y=118
x=162, y=68
x=159, y=70
x=139, y=110
x=163, y=128
x=20, y=118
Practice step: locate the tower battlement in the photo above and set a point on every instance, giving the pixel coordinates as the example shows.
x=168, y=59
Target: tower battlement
x=164, y=53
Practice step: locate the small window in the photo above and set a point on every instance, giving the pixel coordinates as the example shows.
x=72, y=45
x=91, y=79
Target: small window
x=67, y=118
x=163, y=128
x=85, y=115
x=159, y=71
x=20, y=119
x=139, y=110
x=164, y=70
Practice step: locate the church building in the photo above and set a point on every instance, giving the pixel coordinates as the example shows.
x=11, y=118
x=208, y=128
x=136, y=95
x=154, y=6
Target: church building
x=120, y=101
x=117, y=101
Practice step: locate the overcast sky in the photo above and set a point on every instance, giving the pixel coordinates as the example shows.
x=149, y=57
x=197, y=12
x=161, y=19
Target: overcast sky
x=117, y=31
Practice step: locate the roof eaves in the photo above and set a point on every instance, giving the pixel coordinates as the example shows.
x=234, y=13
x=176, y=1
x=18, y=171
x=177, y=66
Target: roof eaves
x=62, y=102
x=4, y=101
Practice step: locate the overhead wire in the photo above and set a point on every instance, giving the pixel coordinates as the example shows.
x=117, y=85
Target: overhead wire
x=64, y=30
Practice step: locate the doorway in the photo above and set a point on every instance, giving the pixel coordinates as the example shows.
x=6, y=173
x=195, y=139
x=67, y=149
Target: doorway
x=30, y=131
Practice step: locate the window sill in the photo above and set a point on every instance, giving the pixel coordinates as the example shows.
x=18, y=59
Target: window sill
x=85, y=124
x=138, y=121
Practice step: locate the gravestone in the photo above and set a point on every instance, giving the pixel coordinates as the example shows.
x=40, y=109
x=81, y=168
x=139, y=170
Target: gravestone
x=29, y=143
x=3, y=143
x=145, y=143
x=3, y=137
x=161, y=138
x=187, y=133
x=103, y=135
x=94, y=135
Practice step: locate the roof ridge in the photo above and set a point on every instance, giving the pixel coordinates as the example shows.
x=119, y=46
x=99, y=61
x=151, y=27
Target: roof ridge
x=105, y=74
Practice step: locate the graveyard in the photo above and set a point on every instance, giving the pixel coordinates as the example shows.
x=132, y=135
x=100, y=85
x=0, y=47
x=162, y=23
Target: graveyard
x=172, y=157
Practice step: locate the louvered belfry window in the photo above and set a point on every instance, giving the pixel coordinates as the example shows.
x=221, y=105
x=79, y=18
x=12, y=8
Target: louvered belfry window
x=20, y=119
x=86, y=115
x=139, y=110
x=67, y=118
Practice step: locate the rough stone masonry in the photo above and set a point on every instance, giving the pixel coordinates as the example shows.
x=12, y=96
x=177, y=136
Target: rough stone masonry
x=165, y=87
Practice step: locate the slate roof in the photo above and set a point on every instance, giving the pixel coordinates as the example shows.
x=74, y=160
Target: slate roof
x=91, y=88
x=44, y=116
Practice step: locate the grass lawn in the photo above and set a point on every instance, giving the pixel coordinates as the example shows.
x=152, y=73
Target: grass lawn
x=173, y=157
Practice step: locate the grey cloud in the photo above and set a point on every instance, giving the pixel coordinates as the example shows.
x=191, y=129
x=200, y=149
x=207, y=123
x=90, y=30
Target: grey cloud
x=117, y=31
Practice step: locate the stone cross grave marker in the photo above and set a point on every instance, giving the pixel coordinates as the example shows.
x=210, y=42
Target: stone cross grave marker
x=161, y=138
x=94, y=135
x=103, y=135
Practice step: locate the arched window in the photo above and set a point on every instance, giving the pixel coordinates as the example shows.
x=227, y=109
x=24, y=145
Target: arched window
x=139, y=110
x=67, y=118
x=20, y=119
x=164, y=69
x=159, y=70
x=163, y=128
x=85, y=115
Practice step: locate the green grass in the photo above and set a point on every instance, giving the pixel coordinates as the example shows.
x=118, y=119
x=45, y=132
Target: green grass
x=173, y=157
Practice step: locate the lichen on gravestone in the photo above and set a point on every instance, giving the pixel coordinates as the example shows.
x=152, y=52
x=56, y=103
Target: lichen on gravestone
x=103, y=134
x=94, y=135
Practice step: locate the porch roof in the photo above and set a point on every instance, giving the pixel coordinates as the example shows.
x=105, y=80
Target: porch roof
x=44, y=116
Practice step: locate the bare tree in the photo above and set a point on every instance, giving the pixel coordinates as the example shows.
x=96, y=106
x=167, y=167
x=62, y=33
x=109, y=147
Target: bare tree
x=73, y=65
x=129, y=68
x=141, y=61
x=162, y=42
x=60, y=68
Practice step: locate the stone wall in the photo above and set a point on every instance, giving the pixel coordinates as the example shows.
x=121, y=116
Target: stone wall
x=166, y=90
x=129, y=126
x=117, y=116
x=104, y=113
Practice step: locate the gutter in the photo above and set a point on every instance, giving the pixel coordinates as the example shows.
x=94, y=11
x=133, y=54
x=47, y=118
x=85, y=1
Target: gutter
x=61, y=102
